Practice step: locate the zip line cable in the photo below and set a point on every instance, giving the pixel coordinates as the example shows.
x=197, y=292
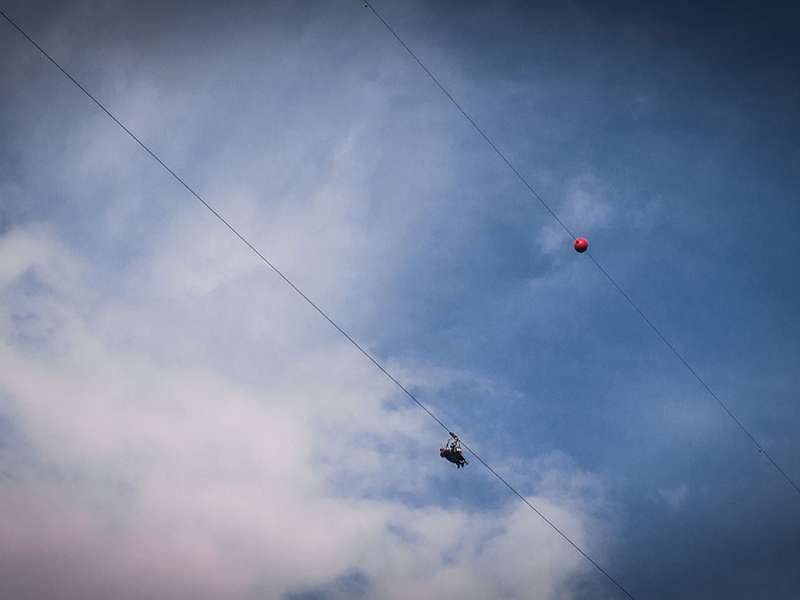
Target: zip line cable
x=600, y=267
x=316, y=307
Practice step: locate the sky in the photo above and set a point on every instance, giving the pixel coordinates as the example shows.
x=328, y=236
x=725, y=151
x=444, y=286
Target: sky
x=176, y=422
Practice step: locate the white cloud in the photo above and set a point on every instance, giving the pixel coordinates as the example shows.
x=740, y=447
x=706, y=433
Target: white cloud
x=168, y=478
x=589, y=205
x=185, y=426
x=675, y=497
x=585, y=208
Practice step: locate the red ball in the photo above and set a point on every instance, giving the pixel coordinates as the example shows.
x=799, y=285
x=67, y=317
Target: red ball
x=581, y=245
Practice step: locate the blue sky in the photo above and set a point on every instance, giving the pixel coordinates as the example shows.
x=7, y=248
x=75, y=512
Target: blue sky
x=161, y=380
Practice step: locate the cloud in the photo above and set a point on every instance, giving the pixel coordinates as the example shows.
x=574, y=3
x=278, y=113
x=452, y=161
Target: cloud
x=590, y=204
x=675, y=497
x=148, y=469
x=585, y=207
x=176, y=422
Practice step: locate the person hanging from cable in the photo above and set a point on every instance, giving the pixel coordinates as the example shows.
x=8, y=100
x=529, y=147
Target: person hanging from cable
x=452, y=451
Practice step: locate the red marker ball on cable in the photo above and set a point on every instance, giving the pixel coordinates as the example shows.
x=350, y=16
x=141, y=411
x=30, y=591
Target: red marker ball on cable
x=581, y=245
